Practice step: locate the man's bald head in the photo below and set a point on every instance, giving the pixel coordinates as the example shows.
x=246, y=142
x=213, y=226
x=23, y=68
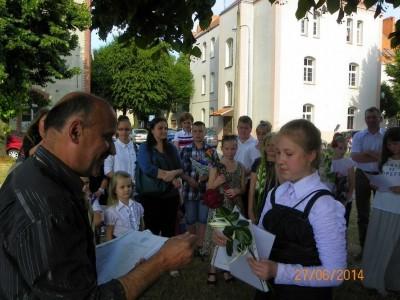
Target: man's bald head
x=73, y=104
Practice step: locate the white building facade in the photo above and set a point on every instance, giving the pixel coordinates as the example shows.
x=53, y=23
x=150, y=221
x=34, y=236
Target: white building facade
x=281, y=69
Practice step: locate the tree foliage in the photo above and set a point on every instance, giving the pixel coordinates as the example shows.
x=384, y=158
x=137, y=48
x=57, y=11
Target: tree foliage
x=152, y=21
x=391, y=100
x=138, y=81
x=35, y=38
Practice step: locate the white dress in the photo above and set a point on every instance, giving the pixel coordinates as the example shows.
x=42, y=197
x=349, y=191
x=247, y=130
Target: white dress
x=381, y=256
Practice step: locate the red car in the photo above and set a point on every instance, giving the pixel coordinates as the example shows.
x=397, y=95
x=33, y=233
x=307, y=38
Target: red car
x=13, y=145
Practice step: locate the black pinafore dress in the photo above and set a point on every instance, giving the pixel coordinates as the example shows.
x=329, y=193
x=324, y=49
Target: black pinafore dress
x=294, y=244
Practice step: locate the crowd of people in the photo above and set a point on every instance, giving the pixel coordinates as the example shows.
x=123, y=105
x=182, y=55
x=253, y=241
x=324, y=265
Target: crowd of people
x=76, y=177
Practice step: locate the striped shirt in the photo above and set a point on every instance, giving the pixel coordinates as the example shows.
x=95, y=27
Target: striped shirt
x=47, y=249
x=183, y=138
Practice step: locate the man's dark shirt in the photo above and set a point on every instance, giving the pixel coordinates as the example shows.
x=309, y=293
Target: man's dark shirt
x=47, y=249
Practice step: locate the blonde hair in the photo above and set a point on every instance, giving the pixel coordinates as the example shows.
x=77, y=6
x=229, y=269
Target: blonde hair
x=306, y=135
x=266, y=139
x=112, y=195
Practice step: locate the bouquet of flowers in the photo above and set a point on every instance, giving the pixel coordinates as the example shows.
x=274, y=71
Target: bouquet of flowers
x=201, y=166
x=237, y=230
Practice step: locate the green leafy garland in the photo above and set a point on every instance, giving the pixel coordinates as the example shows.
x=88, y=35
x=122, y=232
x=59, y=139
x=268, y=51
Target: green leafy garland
x=325, y=168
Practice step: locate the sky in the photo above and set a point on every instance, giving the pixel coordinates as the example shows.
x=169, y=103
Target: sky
x=217, y=8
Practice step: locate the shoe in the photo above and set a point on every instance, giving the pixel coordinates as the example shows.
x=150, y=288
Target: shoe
x=174, y=273
x=228, y=277
x=212, y=278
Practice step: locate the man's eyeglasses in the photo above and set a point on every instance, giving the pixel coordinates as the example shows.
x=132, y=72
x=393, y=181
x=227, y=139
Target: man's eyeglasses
x=124, y=129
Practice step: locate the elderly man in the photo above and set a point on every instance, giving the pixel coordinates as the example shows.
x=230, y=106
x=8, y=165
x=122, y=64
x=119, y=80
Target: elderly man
x=47, y=249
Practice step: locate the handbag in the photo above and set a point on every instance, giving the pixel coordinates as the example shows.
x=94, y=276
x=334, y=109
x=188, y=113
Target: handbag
x=146, y=185
x=213, y=198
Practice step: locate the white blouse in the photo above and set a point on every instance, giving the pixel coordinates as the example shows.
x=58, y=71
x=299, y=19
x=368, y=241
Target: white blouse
x=123, y=160
x=124, y=217
x=329, y=226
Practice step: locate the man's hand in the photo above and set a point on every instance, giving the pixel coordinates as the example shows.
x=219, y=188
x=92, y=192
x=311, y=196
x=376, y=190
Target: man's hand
x=177, y=251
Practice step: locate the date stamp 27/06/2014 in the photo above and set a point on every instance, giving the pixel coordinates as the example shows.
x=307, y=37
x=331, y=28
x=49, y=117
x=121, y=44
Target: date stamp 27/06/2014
x=329, y=275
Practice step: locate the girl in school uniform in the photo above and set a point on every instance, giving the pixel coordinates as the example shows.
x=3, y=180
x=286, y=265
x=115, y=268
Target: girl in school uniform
x=308, y=256
x=124, y=214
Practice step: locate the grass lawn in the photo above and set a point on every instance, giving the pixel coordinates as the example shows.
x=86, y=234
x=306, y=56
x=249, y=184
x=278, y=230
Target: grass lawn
x=191, y=284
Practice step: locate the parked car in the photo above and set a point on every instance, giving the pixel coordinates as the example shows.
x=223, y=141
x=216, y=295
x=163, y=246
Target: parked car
x=171, y=134
x=139, y=135
x=211, y=137
x=13, y=145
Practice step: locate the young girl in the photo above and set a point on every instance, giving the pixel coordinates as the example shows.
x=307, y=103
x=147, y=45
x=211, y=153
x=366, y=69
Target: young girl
x=262, y=178
x=262, y=129
x=381, y=257
x=229, y=178
x=124, y=214
x=343, y=168
x=309, y=251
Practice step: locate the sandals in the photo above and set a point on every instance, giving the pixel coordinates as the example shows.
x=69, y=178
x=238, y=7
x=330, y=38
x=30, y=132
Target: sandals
x=228, y=277
x=212, y=278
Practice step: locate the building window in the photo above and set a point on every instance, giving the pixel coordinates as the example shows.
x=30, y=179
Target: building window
x=204, y=52
x=211, y=120
x=229, y=53
x=349, y=31
x=304, y=26
x=203, y=85
x=203, y=115
x=228, y=93
x=308, y=112
x=212, y=47
x=353, y=75
x=212, y=80
x=350, y=117
x=315, y=26
x=309, y=70
x=359, y=32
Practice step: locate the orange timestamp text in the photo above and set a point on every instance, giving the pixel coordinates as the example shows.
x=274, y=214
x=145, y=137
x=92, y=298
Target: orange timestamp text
x=336, y=274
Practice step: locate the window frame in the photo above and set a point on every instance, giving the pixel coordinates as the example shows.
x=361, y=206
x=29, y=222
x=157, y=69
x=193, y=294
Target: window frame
x=203, y=84
x=304, y=26
x=309, y=70
x=309, y=113
x=349, y=30
x=353, y=75
x=212, y=82
x=229, y=53
x=316, y=25
x=360, y=32
x=228, y=93
x=204, y=52
x=351, y=117
x=212, y=47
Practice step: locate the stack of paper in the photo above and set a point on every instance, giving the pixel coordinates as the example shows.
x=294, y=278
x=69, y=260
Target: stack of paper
x=117, y=257
x=239, y=267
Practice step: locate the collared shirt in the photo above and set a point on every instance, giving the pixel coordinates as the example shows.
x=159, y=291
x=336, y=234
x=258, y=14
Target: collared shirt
x=247, y=152
x=206, y=156
x=123, y=160
x=124, y=217
x=47, y=249
x=366, y=141
x=183, y=138
x=327, y=220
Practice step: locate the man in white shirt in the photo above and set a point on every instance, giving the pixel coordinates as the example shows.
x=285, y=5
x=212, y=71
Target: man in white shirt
x=247, y=152
x=365, y=151
x=125, y=157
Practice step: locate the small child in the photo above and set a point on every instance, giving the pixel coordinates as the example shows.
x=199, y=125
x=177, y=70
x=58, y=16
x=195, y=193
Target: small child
x=343, y=167
x=262, y=129
x=184, y=137
x=123, y=214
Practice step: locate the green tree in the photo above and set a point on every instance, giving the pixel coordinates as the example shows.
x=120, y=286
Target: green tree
x=139, y=81
x=180, y=81
x=389, y=103
x=35, y=38
x=151, y=21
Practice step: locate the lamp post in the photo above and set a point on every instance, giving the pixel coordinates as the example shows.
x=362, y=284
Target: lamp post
x=249, y=105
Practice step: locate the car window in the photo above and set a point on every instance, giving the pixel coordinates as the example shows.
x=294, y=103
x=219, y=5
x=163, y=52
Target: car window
x=140, y=131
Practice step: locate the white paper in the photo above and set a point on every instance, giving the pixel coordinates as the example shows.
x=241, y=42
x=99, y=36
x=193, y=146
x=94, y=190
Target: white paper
x=117, y=257
x=239, y=267
x=382, y=182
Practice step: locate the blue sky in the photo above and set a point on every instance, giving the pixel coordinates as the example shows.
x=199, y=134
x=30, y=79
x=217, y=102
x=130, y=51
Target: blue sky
x=218, y=7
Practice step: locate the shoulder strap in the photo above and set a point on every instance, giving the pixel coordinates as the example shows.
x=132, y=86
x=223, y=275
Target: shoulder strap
x=272, y=197
x=315, y=197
